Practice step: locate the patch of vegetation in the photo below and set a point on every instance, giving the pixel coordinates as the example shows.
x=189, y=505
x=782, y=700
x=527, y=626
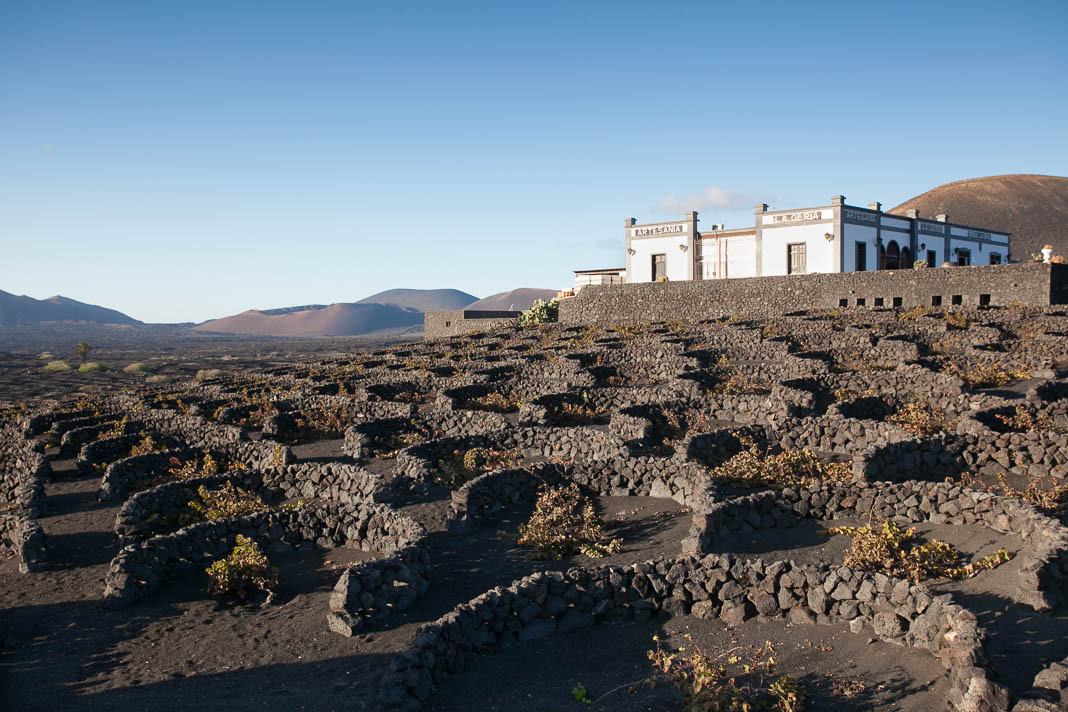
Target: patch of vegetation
x=540, y=312
x=859, y=362
x=914, y=313
x=920, y=417
x=227, y=501
x=565, y=523
x=576, y=414
x=461, y=467
x=1049, y=498
x=734, y=680
x=494, y=403
x=984, y=375
x=56, y=366
x=138, y=367
x=753, y=468
x=245, y=568
x=957, y=321
x=1025, y=420
x=886, y=548
x=741, y=383
x=146, y=446
x=205, y=374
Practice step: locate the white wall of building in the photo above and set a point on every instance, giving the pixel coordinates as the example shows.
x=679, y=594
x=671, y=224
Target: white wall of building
x=728, y=257
x=819, y=251
x=641, y=262
x=853, y=235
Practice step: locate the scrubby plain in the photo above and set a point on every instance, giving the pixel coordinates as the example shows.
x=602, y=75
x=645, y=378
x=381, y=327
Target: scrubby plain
x=731, y=470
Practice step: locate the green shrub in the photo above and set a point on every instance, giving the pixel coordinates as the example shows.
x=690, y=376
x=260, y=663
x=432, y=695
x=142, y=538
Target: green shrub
x=564, y=523
x=56, y=366
x=138, y=367
x=206, y=373
x=159, y=378
x=246, y=567
x=92, y=367
x=541, y=312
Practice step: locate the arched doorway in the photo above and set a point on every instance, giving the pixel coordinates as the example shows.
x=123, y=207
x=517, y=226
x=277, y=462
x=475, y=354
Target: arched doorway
x=906, y=258
x=893, y=256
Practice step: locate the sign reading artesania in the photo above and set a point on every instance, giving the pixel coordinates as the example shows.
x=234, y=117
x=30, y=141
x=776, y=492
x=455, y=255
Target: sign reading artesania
x=659, y=230
x=858, y=216
x=932, y=229
x=797, y=217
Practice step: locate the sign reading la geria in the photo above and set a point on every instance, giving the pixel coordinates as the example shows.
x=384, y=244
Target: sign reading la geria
x=657, y=230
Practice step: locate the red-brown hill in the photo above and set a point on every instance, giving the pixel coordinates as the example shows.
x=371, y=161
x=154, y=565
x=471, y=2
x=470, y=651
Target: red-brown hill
x=335, y=320
x=1034, y=208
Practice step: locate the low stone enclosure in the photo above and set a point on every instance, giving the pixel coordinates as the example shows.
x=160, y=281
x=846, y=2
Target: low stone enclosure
x=928, y=416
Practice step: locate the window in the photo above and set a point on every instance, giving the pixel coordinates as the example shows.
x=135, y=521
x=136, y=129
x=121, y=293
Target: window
x=957, y=300
x=964, y=258
x=936, y=301
x=878, y=301
x=862, y=257
x=843, y=302
x=984, y=300
x=897, y=301
x=932, y=258
x=659, y=267
x=995, y=258
x=795, y=259
x=861, y=302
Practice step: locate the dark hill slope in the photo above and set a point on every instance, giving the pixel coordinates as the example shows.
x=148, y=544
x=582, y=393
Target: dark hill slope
x=422, y=299
x=1034, y=208
x=27, y=310
x=517, y=299
x=334, y=320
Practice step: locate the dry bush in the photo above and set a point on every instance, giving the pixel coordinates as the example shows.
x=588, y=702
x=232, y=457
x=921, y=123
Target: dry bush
x=914, y=313
x=565, y=523
x=1026, y=420
x=985, y=375
x=576, y=414
x=1050, y=498
x=957, y=321
x=920, y=417
x=753, y=468
x=246, y=567
x=494, y=403
x=886, y=548
x=860, y=362
x=146, y=446
x=742, y=383
x=734, y=680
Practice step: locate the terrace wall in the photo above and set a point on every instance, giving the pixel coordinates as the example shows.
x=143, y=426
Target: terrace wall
x=1031, y=283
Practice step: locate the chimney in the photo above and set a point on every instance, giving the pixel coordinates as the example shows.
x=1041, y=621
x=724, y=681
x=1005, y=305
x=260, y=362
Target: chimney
x=761, y=208
x=692, y=216
x=629, y=222
x=942, y=217
x=912, y=213
x=838, y=200
x=877, y=207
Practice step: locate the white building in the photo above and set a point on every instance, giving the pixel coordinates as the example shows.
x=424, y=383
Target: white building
x=830, y=238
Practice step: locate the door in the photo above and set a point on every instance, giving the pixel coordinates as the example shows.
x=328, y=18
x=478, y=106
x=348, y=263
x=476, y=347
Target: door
x=659, y=267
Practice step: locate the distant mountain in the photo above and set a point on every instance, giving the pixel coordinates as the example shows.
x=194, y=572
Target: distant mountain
x=515, y=300
x=422, y=299
x=1034, y=208
x=27, y=310
x=335, y=320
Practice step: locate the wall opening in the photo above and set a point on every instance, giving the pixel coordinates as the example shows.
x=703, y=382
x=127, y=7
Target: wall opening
x=878, y=301
x=936, y=301
x=861, y=302
x=957, y=300
x=897, y=301
x=843, y=302
x=984, y=300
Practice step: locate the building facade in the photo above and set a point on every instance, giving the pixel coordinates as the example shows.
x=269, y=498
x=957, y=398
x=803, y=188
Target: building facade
x=824, y=239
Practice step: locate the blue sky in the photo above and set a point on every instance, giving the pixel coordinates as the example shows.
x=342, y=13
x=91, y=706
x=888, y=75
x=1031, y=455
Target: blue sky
x=183, y=161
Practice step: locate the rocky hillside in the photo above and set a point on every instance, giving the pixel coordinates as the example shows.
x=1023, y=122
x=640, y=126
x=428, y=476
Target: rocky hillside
x=1034, y=208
